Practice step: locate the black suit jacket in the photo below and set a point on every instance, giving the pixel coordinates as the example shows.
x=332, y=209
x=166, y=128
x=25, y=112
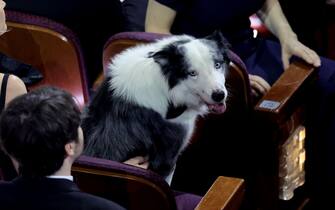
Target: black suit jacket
x=50, y=194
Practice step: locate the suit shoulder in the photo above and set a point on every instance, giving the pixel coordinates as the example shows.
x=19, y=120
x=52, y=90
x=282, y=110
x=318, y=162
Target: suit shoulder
x=7, y=192
x=5, y=186
x=95, y=202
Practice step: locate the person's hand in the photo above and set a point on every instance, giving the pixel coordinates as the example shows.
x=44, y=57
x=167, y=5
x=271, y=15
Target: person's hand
x=292, y=46
x=258, y=85
x=138, y=161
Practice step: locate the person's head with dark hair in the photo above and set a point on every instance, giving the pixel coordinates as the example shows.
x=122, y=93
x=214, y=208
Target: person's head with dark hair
x=41, y=132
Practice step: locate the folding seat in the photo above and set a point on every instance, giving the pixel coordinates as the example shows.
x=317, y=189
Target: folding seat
x=93, y=23
x=49, y=47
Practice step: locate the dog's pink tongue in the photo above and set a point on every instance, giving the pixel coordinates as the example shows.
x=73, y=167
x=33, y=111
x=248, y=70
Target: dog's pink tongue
x=217, y=108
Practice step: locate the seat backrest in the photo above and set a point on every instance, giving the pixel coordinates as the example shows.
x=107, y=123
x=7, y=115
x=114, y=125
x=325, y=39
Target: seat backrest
x=93, y=23
x=49, y=47
x=131, y=187
x=137, y=189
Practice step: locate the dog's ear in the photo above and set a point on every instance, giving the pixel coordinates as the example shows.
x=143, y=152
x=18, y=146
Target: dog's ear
x=161, y=57
x=220, y=40
x=165, y=55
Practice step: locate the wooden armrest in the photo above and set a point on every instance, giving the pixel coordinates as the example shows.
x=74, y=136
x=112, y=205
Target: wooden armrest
x=225, y=194
x=285, y=93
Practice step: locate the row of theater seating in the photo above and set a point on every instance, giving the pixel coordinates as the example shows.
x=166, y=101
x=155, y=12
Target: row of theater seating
x=54, y=50
x=269, y=122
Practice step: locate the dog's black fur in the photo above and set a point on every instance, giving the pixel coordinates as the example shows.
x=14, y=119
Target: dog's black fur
x=118, y=130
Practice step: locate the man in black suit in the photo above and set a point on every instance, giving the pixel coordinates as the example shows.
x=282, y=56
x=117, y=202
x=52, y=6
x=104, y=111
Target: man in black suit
x=40, y=132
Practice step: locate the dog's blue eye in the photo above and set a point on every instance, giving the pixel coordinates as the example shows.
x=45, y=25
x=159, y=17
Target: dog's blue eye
x=193, y=73
x=218, y=65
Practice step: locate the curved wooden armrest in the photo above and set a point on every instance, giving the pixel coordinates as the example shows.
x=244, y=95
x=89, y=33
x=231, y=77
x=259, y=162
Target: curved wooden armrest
x=286, y=92
x=225, y=194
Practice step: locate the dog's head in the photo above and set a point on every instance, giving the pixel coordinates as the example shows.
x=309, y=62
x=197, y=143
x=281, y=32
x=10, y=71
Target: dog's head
x=195, y=71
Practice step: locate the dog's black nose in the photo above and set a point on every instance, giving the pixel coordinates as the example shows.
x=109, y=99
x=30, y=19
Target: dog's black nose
x=218, y=96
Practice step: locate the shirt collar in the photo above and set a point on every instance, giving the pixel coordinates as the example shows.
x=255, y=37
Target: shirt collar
x=61, y=177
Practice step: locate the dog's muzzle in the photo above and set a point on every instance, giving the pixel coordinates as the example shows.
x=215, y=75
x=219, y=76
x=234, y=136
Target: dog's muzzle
x=218, y=106
x=218, y=96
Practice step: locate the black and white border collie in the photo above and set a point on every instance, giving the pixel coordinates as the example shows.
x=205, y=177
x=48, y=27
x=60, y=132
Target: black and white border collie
x=149, y=102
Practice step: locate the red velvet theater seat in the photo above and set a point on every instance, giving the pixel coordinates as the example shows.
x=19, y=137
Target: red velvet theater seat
x=49, y=47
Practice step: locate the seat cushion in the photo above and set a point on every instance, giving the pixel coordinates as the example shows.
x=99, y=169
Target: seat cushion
x=186, y=201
